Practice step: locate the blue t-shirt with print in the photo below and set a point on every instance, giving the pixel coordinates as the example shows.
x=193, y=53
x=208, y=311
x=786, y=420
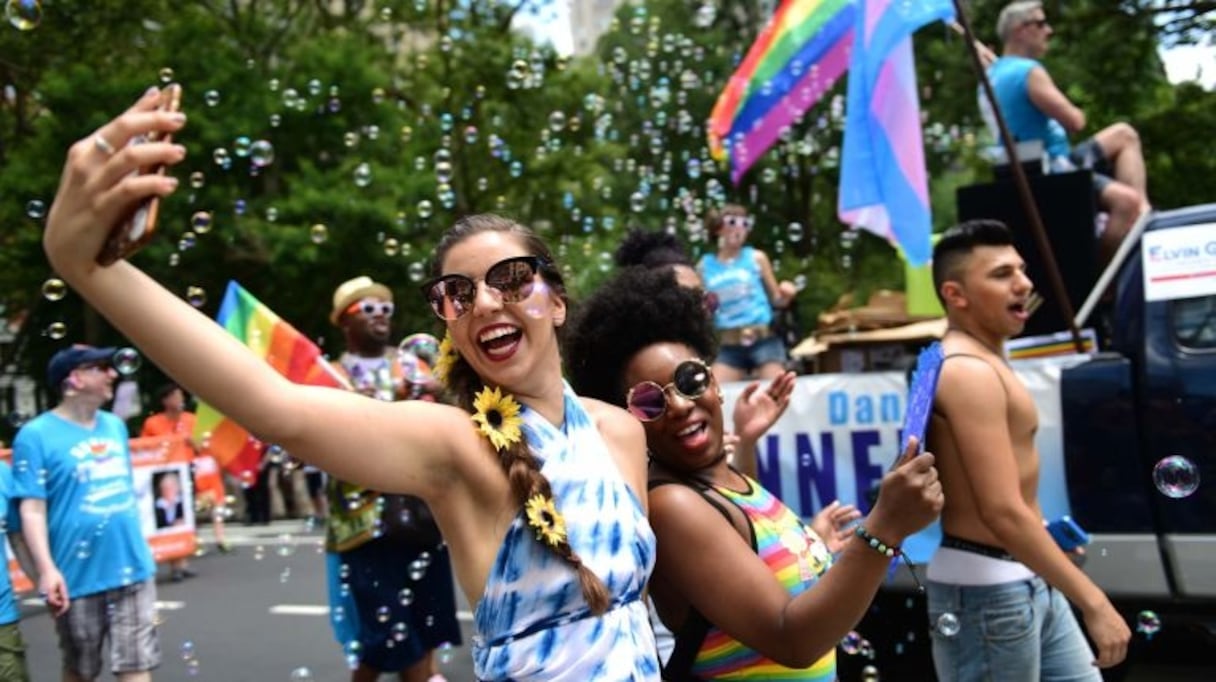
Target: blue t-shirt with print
x=92, y=514
x=12, y=524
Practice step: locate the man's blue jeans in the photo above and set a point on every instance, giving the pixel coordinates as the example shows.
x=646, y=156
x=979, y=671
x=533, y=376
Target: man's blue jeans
x=1012, y=632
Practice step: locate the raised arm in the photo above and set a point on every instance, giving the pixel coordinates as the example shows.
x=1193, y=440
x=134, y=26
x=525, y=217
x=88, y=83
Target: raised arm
x=779, y=293
x=396, y=447
x=714, y=569
x=755, y=413
x=975, y=405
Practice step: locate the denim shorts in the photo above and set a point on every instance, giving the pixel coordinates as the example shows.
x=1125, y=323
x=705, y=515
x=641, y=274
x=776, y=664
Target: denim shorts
x=1012, y=632
x=748, y=358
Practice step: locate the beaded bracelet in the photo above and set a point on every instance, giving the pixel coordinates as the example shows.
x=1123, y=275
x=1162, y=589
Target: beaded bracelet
x=878, y=545
x=889, y=551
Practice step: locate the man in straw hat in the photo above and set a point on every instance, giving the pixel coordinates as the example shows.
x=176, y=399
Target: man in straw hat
x=390, y=579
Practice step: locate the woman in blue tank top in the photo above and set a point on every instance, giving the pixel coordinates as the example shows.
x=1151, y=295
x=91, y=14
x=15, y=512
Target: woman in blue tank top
x=742, y=280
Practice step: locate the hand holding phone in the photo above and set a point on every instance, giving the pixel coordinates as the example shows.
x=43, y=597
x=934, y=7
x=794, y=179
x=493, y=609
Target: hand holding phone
x=138, y=227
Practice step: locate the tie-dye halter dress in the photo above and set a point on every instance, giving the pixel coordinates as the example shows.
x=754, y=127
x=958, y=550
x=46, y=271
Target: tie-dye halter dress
x=532, y=621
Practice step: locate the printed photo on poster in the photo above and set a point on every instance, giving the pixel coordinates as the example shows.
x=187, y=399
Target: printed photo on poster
x=166, y=506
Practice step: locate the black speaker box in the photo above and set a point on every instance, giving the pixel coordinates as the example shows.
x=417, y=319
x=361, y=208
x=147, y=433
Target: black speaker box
x=1067, y=207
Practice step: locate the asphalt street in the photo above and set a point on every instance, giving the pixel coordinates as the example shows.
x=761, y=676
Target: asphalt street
x=261, y=614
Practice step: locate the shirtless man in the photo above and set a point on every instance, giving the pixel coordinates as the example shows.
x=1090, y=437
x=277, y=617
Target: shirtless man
x=998, y=584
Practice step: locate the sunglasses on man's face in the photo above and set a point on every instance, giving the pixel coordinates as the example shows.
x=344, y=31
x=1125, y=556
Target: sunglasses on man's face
x=452, y=296
x=371, y=307
x=647, y=400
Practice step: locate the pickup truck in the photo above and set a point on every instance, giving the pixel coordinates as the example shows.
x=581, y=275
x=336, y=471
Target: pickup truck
x=1108, y=420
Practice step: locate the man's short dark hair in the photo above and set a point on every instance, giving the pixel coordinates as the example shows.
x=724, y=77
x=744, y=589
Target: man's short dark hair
x=950, y=253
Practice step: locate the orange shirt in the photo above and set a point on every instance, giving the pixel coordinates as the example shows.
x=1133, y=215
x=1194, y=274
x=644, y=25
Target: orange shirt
x=159, y=424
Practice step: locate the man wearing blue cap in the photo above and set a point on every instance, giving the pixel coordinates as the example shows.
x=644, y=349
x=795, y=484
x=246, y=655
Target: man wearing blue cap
x=72, y=470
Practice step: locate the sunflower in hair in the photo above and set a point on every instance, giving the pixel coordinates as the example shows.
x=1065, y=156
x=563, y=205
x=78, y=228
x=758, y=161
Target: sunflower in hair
x=544, y=518
x=446, y=358
x=497, y=417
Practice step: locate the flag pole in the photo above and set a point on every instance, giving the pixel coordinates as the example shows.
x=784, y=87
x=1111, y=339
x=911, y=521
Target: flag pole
x=1019, y=178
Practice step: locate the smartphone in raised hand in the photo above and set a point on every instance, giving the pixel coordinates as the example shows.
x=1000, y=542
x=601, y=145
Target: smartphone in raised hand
x=137, y=228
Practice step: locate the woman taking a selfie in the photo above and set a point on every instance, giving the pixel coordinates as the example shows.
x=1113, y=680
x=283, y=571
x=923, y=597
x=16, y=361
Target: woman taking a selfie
x=524, y=478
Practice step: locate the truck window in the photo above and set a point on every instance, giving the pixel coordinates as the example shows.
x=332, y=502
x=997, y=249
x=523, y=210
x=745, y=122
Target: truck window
x=1194, y=321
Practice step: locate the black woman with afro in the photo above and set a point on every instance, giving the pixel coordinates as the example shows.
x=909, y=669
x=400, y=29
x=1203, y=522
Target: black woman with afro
x=740, y=579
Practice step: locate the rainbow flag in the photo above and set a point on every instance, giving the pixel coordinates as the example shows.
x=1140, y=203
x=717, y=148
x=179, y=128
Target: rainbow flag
x=797, y=57
x=291, y=353
x=883, y=183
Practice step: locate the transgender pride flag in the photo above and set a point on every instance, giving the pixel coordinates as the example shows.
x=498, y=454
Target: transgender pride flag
x=883, y=184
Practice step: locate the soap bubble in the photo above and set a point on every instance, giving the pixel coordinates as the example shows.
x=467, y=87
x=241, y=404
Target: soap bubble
x=261, y=153
x=197, y=180
x=851, y=643
x=56, y=330
x=200, y=222
x=405, y=596
x=947, y=624
x=127, y=361
x=1148, y=624
x=24, y=15
x=166, y=75
x=1176, y=476
x=196, y=296
x=363, y=175
x=211, y=97
x=421, y=345
x=35, y=209
x=54, y=289
x=301, y=674
x=318, y=233
x=416, y=271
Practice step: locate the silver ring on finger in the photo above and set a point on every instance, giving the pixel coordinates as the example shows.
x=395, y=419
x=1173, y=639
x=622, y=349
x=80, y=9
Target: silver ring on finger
x=103, y=145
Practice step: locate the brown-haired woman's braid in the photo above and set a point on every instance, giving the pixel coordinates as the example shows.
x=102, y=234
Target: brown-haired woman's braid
x=527, y=482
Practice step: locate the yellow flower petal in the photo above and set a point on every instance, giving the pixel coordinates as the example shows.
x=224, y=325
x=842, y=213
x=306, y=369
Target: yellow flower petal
x=497, y=417
x=544, y=518
x=447, y=357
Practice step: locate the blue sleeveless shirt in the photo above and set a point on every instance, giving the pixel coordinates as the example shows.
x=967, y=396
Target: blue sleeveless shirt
x=742, y=300
x=1009, y=77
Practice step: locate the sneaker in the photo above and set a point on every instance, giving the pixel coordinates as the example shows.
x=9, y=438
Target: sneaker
x=177, y=576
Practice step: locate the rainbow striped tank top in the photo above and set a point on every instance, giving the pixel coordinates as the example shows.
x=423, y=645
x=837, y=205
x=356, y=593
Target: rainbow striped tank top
x=797, y=558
